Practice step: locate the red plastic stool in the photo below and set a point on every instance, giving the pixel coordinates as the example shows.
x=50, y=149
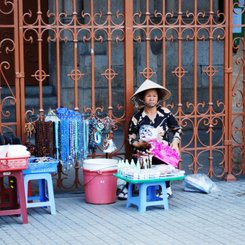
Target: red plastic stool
x=21, y=195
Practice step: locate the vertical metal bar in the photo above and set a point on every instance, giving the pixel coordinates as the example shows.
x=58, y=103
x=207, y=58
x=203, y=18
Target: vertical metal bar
x=21, y=70
x=92, y=57
x=17, y=71
x=129, y=71
x=179, y=98
x=226, y=74
x=57, y=53
x=75, y=41
x=164, y=44
x=195, y=80
x=76, y=107
x=109, y=39
x=58, y=78
x=40, y=65
x=228, y=92
x=210, y=87
x=243, y=103
x=179, y=56
x=147, y=41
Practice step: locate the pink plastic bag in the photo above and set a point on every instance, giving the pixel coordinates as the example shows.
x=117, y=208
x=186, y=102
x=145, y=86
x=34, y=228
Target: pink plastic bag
x=164, y=152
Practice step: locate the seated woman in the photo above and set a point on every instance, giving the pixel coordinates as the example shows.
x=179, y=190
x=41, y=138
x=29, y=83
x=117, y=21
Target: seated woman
x=152, y=120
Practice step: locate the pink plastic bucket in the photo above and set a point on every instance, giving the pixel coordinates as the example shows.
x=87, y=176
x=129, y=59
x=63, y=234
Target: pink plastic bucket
x=100, y=185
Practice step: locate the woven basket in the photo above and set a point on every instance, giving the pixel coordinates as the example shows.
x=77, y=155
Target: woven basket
x=17, y=163
x=41, y=167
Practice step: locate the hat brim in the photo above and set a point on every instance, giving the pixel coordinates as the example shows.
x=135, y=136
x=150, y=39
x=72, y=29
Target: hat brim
x=163, y=93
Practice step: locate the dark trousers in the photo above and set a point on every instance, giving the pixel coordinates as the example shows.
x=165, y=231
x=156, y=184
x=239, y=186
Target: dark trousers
x=156, y=161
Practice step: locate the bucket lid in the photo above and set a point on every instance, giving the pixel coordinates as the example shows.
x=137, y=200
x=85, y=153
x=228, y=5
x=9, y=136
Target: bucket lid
x=100, y=164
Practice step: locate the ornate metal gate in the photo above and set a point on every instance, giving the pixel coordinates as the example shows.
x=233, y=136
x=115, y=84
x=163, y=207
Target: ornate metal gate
x=95, y=53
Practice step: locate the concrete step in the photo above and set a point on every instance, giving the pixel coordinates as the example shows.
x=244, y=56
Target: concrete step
x=33, y=91
x=30, y=91
x=48, y=101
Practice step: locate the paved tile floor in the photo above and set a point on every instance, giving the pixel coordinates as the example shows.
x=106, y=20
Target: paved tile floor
x=192, y=218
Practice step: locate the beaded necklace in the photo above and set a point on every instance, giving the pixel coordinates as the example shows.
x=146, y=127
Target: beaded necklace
x=43, y=138
x=85, y=139
x=73, y=137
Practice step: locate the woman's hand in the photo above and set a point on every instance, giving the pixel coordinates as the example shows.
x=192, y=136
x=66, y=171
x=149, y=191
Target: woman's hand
x=142, y=144
x=175, y=146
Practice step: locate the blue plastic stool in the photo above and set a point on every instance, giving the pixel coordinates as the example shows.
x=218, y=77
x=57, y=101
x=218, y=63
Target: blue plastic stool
x=147, y=196
x=46, y=195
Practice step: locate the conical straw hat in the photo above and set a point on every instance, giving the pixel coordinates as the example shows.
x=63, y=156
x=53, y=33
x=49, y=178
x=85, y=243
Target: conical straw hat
x=163, y=93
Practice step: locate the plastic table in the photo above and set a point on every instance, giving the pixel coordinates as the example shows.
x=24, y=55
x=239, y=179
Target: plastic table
x=147, y=191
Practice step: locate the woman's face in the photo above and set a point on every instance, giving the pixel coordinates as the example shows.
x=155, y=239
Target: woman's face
x=151, y=98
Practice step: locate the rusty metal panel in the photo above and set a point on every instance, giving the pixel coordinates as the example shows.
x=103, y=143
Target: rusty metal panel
x=237, y=89
x=177, y=37
x=10, y=74
x=84, y=39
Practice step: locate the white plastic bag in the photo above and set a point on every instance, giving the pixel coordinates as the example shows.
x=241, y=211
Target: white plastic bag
x=199, y=183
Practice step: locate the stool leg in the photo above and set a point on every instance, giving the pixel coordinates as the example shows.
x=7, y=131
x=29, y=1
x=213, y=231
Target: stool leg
x=164, y=195
x=142, y=197
x=26, y=186
x=42, y=190
x=130, y=194
x=21, y=194
x=51, y=194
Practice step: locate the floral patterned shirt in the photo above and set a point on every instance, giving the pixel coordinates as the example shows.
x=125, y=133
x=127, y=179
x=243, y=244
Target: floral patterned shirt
x=141, y=126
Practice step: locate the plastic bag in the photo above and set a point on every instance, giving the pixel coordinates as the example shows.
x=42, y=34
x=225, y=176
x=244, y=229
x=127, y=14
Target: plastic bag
x=199, y=183
x=164, y=152
x=109, y=146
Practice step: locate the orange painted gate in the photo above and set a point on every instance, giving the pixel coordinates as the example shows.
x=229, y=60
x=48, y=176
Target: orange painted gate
x=93, y=54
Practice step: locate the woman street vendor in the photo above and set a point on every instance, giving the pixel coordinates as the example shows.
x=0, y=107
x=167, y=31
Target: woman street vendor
x=152, y=122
